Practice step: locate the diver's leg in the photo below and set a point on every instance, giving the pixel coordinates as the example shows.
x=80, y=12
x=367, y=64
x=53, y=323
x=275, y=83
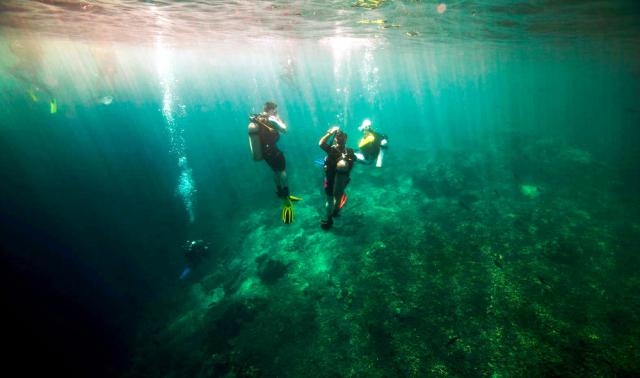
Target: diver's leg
x=276, y=161
x=329, y=205
x=383, y=146
x=379, y=159
x=341, y=180
x=327, y=222
x=282, y=183
x=284, y=180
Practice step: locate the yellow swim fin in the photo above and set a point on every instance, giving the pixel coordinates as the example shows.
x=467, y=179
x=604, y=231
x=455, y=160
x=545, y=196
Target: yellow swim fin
x=33, y=95
x=53, y=106
x=287, y=212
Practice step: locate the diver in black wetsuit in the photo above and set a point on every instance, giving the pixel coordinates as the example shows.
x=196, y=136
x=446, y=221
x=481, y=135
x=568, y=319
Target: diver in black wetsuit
x=337, y=166
x=195, y=252
x=264, y=131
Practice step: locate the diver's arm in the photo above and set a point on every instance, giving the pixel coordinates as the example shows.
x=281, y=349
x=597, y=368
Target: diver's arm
x=278, y=124
x=323, y=141
x=360, y=158
x=379, y=159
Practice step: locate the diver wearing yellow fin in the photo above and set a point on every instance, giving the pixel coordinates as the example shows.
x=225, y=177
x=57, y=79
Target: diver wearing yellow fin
x=33, y=94
x=264, y=131
x=287, y=209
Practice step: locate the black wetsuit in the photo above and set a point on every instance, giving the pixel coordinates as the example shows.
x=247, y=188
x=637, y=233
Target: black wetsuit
x=195, y=252
x=334, y=155
x=268, y=138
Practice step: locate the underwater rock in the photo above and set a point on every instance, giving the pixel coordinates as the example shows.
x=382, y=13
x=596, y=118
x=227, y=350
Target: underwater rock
x=469, y=198
x=233, y=318
x=452, y=340
x=207, y=298
x=542, y=280
x=466, y=200
x=261, y=259
x=530, y=191
x=215, y=296
x=564, y=252
x=269, y=270
x=375, y=247
x=576, y=155
x=234, y=281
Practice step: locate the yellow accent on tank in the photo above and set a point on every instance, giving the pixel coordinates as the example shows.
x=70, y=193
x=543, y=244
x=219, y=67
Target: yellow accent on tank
x=53, y=106
x=366, y=140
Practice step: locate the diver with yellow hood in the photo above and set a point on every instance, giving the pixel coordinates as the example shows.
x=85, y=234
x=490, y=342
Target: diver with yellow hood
x=372, y=145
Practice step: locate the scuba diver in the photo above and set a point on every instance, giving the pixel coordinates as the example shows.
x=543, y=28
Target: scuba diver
x=372, y=145
x=29, y=63
x=264, y=131
x=337, y=166
x=195, y=251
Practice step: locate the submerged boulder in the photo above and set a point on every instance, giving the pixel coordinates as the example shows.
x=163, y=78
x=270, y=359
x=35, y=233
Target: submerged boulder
x=270, y=270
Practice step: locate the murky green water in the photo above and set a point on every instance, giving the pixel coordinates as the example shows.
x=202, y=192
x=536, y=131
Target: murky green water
x=498, y=238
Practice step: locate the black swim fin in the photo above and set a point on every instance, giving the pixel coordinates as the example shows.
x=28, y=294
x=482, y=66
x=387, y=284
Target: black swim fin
x=326, y=223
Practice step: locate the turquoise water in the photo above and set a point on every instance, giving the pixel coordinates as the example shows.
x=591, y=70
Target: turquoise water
x=499, y=237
